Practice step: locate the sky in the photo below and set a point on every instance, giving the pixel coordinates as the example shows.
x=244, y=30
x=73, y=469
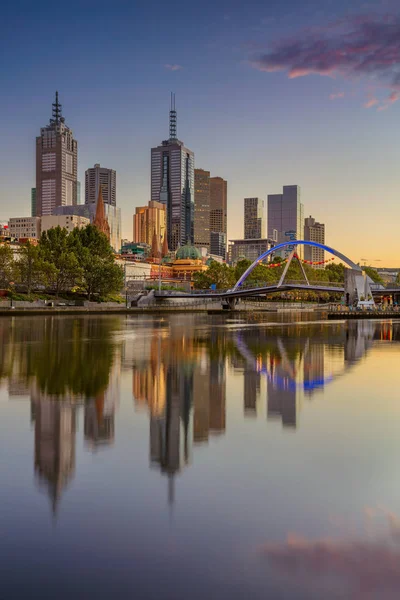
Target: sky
x=268, y=94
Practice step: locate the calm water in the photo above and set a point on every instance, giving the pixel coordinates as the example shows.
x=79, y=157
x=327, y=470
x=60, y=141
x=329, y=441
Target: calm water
x=184, y=458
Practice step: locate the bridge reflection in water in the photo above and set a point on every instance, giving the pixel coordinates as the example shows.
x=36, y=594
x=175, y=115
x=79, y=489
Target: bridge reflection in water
x=179, y=372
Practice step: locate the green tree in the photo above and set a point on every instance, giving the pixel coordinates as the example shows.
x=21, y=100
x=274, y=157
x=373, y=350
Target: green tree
x=55, y=249
x=218, y=274
x=30, y=269
x=373, y=273
x=99, y=273
x=335, y=272
x=6, y=265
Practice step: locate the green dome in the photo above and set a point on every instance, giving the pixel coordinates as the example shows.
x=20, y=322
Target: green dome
x=188, y=252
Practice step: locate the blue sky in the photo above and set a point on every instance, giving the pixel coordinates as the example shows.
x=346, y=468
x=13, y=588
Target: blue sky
x=240, y=109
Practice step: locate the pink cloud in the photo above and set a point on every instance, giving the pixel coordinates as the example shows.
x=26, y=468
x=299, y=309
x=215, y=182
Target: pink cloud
x=173, y=67
x=337, y=95
x=372, y=101
x=363, y=47
x=368, y=567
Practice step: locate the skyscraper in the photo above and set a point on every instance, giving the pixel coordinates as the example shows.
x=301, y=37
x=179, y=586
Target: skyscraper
x=172, y=184
x=202, y=208
x=149, y=220
x=97, y=177
x=285, y=215
x=33, y=202
x=254, y=221
x=314, y=232
x=56, y=165
x=218, y=204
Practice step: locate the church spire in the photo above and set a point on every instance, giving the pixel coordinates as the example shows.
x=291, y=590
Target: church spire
x=155, y=248
x=165, y=245
x=100, y=219
x=172, y=119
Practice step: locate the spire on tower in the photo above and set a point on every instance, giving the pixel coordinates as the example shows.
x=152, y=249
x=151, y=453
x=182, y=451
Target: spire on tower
x=57, y=111
x=172, y=119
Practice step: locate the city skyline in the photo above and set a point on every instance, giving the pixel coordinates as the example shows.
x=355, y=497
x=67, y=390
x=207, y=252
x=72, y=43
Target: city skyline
x=284, y=120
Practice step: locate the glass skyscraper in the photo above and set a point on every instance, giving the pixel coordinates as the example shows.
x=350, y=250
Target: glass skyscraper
x=172, y=184
x=285, y=216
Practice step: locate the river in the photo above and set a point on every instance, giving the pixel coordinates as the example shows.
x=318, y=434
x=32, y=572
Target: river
x=187, y=457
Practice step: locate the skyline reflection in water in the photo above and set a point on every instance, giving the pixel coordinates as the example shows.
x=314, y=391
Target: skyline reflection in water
x=192, y=401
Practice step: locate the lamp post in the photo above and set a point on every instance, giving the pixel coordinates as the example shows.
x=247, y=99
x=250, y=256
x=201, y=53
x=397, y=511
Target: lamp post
x=11, y=285
x=159, y=268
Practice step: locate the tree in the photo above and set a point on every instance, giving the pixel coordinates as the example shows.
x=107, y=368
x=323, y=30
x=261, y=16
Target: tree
x=55, y=249
x=335, y=272
x=373, y=274
x=99, y=273
x=6, y=265
x=218, y=274
x=31, y=270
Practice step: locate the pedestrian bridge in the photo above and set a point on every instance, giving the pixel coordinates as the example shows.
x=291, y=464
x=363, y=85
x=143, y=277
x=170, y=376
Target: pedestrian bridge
x=243, y=290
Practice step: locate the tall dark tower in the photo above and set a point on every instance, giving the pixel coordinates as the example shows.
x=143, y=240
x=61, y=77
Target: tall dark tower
x=56, y=164
x=172, y=183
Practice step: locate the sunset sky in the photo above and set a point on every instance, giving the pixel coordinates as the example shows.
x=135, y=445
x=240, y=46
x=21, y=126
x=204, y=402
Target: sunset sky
x=268, y=94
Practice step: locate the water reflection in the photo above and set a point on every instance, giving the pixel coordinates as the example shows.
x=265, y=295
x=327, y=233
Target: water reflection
x=179, y=377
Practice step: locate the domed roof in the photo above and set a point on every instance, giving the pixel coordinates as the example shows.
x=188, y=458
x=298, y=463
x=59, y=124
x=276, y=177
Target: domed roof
x=188, y=252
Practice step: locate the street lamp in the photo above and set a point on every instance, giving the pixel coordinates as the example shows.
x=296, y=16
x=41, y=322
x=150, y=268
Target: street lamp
x=12, y=284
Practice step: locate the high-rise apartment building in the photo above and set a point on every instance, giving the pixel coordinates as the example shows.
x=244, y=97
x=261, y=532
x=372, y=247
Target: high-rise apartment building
x=172, y=184
x=202, y=208
x=149, y=220
x=97, y=177
x=254, y=221
x=218, y=216
x=285, y=216
x=218, y=204
x=314, y=232
x=56, y=165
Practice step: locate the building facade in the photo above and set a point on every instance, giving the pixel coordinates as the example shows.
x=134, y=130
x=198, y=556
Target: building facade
x=56, y=165
x=68, y=222
x=250, y=249
x=33, y=202
x=285, y=216
x=202, y=208
x=24, y=227
x=254, y=221
x=218, y=205
x=314, y=232
x=218, y=244
x=97, y=177
x=172, y=184
x=148, y=220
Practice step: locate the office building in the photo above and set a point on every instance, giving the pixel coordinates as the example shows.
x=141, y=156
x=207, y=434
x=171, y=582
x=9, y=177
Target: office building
x=24, y=227
x=78, y=192
x=97, y=177
x=68, y=222
x=250, y=249
x=33, y=202
x=314, y=232
x=112, y=214
x=148, y=220
x=202, y=208
x=254, y=221
x=218, y=244
x=56, y=165
x=172, y=184
x=285, y=216
x=218, y=205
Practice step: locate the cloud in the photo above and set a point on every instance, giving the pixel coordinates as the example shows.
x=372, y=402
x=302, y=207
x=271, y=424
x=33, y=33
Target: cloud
x=173, y=67
x=361, y=47
x=336, y=95
x=372, y=101
x=369, y=567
